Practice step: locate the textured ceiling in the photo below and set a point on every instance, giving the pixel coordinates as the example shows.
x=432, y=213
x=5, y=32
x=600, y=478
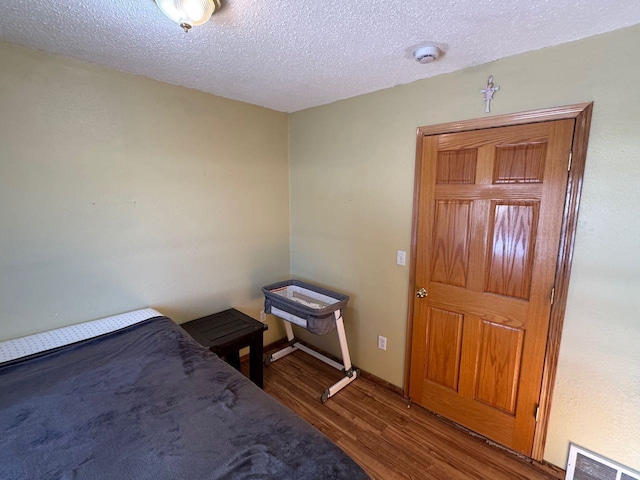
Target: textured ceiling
x=293, y=54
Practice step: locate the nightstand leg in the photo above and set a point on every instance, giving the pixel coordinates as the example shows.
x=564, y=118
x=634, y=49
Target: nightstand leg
x=233, y=359
x=255, y=360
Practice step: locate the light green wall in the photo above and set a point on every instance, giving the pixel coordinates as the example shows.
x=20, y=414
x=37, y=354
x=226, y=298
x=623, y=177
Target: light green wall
x=351, y=203
x=118, y=192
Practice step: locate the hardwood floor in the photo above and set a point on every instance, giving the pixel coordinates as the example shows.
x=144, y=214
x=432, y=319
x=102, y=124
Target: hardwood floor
x=390, y=441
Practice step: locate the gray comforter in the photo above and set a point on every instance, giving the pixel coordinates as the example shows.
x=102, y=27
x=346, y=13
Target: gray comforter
x=147, y=402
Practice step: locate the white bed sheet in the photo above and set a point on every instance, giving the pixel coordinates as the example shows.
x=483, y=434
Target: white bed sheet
x=40, y=342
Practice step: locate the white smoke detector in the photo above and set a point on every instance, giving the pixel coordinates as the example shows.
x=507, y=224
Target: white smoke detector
x=426, y=54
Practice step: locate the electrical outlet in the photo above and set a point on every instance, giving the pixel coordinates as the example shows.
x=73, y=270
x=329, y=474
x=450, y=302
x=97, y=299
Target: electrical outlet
x=382, y=342
x=263, y=316
x=401, y=257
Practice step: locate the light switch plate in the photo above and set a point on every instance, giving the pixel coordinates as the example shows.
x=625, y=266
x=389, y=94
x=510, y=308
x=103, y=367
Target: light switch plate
x=401, y=257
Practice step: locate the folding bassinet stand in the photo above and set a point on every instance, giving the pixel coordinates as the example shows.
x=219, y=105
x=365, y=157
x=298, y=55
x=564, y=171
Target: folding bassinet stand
x=318, y=310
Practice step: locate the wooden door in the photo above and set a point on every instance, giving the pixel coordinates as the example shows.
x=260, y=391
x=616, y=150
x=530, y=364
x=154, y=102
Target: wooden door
x=490, y=212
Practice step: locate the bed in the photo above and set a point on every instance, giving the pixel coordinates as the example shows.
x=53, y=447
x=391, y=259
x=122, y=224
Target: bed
x=147, y=402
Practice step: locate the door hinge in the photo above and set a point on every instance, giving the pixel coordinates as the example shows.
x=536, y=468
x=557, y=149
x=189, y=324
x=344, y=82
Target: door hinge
x=570, y=160
x=537, y=412
x=553, y=294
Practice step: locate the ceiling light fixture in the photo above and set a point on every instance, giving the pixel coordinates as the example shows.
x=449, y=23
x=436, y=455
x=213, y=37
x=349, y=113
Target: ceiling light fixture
x=189, y=13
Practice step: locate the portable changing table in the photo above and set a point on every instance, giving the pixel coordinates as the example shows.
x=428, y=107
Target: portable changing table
x=318, y=310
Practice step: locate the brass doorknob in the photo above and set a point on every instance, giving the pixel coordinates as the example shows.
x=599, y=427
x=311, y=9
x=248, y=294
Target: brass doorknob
x=421, y=293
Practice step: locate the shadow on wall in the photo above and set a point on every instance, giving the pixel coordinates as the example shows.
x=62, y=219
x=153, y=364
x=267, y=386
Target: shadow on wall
x=59, y=287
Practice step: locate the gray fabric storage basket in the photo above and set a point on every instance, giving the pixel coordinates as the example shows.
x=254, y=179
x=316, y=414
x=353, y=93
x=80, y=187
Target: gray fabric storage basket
x=319, y=321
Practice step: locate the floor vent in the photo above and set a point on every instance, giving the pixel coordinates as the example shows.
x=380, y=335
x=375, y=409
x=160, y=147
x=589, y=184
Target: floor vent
x=586, y=465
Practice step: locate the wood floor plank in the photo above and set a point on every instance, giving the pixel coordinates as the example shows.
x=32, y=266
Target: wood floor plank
x=390, y=441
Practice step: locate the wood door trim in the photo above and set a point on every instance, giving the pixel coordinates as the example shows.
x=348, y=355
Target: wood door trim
x=412, y=263
x=520, y=118
x=563, y=272
x=581, y=113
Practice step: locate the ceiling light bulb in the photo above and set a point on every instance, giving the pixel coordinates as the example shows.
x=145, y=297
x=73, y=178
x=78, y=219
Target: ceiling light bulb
x=189, y=13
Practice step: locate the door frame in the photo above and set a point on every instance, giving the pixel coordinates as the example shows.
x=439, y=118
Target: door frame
x=582, y=114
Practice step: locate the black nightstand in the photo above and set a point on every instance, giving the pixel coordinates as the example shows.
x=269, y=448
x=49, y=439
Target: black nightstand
x=225, y=333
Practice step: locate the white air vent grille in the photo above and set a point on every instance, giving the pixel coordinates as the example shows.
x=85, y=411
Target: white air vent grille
x=586, y=465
